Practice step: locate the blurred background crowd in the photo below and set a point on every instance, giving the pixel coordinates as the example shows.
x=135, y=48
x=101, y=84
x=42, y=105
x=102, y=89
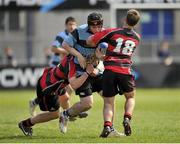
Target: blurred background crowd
x=27, y=32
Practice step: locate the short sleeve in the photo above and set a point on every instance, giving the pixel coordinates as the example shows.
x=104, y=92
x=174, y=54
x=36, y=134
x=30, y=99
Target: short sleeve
x=70, y=40
x=97, y=37
x=58, y=40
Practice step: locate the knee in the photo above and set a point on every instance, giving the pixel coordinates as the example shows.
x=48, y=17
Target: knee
x=64, y=98
x=87, y=104
x=130, y=95
x=69, y=89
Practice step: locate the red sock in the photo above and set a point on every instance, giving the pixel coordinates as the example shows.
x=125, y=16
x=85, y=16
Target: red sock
x=127, y=115
x=107, y=123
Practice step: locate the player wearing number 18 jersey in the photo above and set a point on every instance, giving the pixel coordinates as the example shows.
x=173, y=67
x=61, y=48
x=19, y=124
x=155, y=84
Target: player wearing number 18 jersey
x=117, y=75
x=122, y=43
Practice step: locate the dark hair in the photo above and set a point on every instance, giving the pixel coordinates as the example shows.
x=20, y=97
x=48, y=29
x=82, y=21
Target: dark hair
x=94, y=19
x=68, y=19
x=132, y=17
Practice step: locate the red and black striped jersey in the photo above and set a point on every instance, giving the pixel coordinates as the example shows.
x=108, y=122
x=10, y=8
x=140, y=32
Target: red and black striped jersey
x=121, y=45
x=57, y=77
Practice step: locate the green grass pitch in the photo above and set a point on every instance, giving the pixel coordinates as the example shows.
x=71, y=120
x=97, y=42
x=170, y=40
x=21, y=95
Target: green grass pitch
x=156, y=119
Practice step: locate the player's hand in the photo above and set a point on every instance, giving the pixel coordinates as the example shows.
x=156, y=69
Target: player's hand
x=95, y=72
x=99, y=54
x=82, y=61
x=89, y=69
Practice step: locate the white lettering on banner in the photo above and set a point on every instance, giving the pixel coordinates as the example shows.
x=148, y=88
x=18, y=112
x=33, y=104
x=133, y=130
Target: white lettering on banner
x=28, y=76
x=11, y=78
x=92, y=2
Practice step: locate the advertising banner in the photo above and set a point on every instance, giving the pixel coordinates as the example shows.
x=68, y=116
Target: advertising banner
x=146, y=75
x=19, y=77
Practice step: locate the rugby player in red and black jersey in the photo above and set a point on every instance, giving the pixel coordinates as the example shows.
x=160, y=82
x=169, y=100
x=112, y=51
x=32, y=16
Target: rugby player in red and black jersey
x=50, y=87
x=58, y=54
x=117, y=75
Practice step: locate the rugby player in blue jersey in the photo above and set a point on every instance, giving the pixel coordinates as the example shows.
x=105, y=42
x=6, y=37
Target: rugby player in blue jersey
x=58, y=51
x=75, y=44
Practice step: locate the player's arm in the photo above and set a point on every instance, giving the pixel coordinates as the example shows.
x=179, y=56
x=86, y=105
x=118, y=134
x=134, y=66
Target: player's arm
x=77, y=82
x=90, y=41
x=98, y=70
x=101, y=50
x=57, y=45
x=93, y=40
x=100, y=67
x=68, y=44
x=97, y=38
x=99, y=54
x=71, y=50
x=59, y=50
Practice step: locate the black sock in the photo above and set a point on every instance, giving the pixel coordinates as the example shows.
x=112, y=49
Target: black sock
x=66, y=112
x=27, y=123
x=36, y=101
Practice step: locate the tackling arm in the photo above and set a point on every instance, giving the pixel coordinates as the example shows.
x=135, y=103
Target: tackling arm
x=77, y=82
x=70, y=49
x=59, y=50
x=74, y=52
x=90, y=42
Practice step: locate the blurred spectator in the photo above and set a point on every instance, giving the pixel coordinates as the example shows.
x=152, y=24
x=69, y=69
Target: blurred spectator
x=164, y=53
x=47, y=53
x=10, y=58
x=1, y=57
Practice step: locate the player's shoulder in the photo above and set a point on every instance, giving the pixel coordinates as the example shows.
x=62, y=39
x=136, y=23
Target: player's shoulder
x=82, y=27
x=62, y=34
x=137, y=35
x=109, y=30
x=81, y=30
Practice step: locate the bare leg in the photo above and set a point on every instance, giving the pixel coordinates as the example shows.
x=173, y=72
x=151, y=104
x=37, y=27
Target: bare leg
x=84, y=105
x=26, y=125
x=130, y=103
x=64, y=101
x=69, y=89
x=108, y=110
x=113, y=109
x=128, y=108
x=44, y=117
